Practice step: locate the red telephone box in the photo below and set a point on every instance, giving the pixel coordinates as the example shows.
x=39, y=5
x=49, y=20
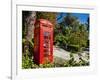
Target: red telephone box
x=43, y=41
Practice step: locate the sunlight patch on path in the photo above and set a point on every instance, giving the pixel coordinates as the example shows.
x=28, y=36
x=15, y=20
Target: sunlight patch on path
x=58, y=52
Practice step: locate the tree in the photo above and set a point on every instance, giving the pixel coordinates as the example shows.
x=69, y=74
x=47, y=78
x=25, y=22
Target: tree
x=70, y=20
x=72, y=33
x=78, y=38
x=88, y=22
x=28, y=20
x=51, y=16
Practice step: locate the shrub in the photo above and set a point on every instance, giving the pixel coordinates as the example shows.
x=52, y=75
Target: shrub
x=26, y=62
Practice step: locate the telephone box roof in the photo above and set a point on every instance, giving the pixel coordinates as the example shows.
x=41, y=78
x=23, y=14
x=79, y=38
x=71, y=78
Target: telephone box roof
x=44, y=21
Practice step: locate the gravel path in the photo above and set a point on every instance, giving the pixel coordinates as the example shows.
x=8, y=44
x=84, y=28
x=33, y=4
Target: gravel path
x=61, y=53
x=65, y=55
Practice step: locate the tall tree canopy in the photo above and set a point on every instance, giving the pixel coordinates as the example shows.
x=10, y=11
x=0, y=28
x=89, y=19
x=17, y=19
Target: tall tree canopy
x=72, y=33
x=51, y=16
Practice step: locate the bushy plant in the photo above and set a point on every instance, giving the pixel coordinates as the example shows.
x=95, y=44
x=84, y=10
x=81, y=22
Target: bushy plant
x=47, y=65
x=26, y=62
x=72, y=63
x=71, y=33
x=27, y=55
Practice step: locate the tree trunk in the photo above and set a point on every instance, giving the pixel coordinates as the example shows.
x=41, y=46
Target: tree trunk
x=29, y=20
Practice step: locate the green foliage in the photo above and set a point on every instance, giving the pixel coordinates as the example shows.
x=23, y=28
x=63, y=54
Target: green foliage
x=60, y=39
x=72, y=63
x=70, y=20
x=71, y=33
x=26, y=62
x=47, y=65
x=51, y=16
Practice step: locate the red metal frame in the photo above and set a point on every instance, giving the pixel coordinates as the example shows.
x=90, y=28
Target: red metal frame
x=43, y=41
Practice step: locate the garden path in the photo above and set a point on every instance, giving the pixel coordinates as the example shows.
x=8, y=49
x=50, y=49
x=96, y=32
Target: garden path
x=61, y=53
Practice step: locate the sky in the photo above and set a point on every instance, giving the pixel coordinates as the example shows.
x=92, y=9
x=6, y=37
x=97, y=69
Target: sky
x=82, y=17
